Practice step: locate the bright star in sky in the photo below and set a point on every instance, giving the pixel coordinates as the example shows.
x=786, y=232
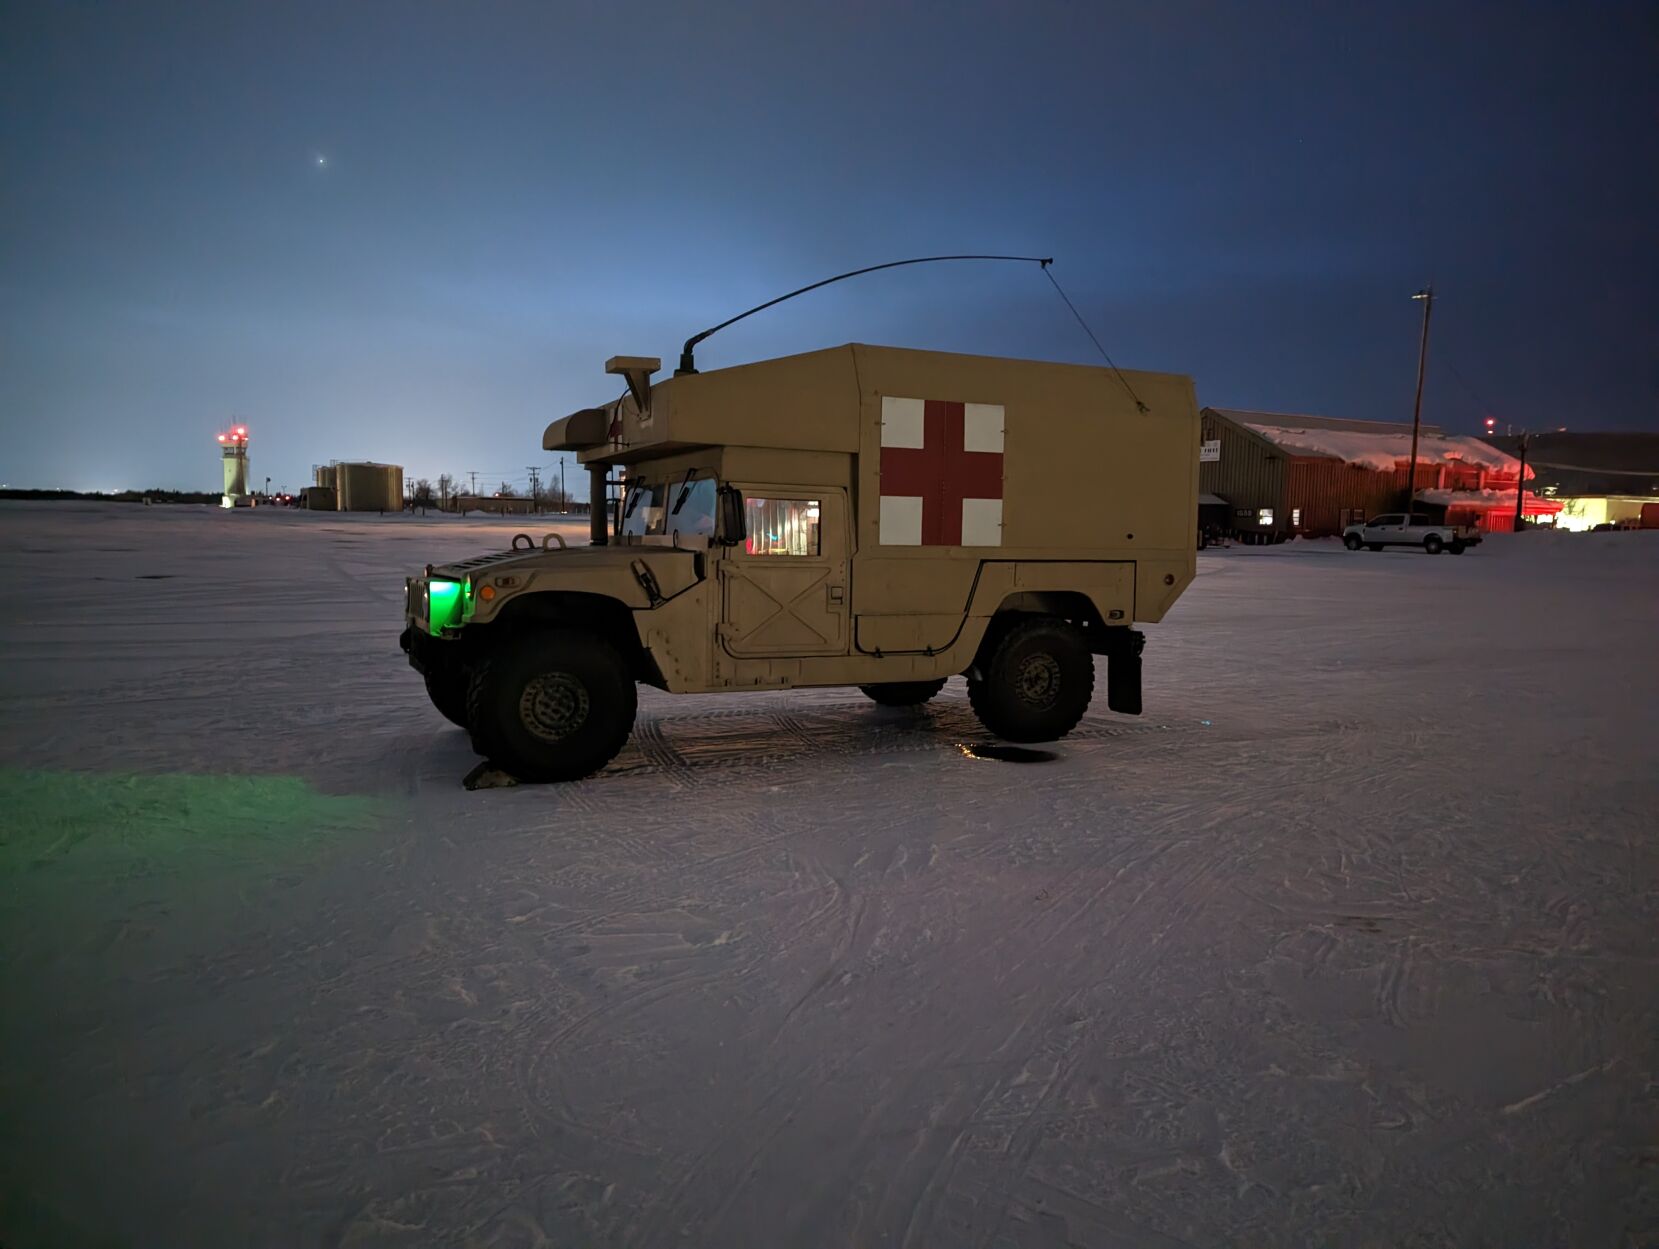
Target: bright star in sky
x=322, y=161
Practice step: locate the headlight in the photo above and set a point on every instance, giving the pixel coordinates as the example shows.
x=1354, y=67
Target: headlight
x=442, y=605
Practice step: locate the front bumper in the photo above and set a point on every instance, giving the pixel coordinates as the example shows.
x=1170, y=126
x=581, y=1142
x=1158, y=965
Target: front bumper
x=409, y=640
x=430, y=655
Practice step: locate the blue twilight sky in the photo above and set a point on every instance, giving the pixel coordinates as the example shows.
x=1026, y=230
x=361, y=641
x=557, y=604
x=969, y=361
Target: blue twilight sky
x=414, y=231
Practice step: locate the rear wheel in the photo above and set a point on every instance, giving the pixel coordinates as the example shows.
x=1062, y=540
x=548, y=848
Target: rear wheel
x=1353, y=542
x=553, y=705
x=1035, y=684
x=1457, y=548
x=903, y=693
x=448, y=691
x=1433, y=544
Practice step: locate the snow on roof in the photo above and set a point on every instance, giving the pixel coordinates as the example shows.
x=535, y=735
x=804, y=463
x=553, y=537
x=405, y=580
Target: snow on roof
x=1371, y=444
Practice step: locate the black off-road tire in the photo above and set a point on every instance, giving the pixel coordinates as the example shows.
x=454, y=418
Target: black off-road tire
x=903, y=693
x=1457, y=548
x=447, y=688
x=1353, y=542
x=1035, y=684
x=551, y=705
x=1433, y=544
x=1373, y=546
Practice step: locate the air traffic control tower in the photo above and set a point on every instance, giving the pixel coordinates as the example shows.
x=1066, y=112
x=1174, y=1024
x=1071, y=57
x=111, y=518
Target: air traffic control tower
x=233, y=448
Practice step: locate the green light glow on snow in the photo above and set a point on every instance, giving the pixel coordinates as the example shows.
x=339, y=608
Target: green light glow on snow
x=130, y=824
x=99, y=870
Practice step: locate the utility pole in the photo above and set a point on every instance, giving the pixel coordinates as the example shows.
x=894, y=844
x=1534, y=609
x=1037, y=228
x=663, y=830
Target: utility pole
x=535, y=488
x=1521, y=486
x=474, y=475
x=1427, y=296
x=564, y=499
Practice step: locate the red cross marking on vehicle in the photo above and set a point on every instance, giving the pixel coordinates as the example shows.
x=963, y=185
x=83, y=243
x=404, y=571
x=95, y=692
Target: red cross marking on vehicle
x=941, y=473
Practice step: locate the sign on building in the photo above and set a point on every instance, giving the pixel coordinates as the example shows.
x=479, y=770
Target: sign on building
x=1209, y=452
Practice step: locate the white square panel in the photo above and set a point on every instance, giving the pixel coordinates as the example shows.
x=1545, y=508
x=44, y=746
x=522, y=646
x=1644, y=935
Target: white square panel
x=981, y=522
x=901, y=520
x=901, y=422
x=982, y=427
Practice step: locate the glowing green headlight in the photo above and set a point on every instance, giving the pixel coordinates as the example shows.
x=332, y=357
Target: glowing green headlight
x=443, y=605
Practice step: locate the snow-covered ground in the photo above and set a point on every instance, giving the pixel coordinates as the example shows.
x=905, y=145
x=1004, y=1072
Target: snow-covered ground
x=1352, y=939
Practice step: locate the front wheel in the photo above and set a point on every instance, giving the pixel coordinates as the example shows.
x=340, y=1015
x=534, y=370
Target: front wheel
x=903, y=693
x=1353, y=542
x=1373, y=546
x=1036, y=683
x=552, y=705
x=1457, y=548
x=1433, y=544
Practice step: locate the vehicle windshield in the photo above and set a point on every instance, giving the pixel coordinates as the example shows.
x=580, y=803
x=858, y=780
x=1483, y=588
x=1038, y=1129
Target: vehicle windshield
x=642, y=509
x=678, y=506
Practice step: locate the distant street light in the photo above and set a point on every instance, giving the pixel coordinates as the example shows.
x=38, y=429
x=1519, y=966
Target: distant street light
x=1427, y=296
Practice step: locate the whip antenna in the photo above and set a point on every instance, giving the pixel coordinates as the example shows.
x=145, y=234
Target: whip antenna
x=688, y=359
x=1141, y=407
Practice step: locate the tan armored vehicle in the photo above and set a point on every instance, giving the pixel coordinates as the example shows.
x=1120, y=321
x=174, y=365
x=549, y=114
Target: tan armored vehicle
x=863, y=516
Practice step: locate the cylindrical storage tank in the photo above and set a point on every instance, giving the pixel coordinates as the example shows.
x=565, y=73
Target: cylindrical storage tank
x=369, y=487
x=325, y=476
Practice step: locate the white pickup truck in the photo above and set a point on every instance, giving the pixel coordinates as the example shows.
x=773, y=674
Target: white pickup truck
x=1422, y=533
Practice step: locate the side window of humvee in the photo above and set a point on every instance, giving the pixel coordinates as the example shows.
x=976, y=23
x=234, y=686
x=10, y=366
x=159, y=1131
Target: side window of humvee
x=782, y=526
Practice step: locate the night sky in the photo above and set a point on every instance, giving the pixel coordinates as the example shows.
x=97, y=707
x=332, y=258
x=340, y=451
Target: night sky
x=414, y=232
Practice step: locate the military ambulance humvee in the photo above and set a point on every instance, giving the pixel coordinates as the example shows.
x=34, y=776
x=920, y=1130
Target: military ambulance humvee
x=863, y=516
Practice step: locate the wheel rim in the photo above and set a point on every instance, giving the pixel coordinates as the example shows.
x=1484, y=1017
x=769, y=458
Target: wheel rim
x=1037, y=680
x=553, y=706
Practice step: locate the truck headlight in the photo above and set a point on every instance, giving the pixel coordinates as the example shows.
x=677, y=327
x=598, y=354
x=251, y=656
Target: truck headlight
x=442, y=604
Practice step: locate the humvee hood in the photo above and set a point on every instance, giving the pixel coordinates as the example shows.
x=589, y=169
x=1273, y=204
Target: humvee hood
x=636, y=576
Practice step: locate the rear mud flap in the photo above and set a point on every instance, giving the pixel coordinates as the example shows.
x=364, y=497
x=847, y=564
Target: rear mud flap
x=1123, y=676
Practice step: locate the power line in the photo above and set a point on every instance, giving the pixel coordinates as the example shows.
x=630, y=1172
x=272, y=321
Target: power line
x=1599, y=472
x=1469, y=390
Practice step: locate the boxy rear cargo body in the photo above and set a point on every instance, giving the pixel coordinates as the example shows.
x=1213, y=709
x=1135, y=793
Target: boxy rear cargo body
x=866, y=516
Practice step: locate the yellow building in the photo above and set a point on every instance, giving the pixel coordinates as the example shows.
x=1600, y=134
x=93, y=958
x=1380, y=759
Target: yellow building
x=1627, y=511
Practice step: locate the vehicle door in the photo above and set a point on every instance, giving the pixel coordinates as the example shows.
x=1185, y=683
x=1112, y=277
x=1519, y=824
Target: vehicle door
x=784, y=589
x=1385, y=529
